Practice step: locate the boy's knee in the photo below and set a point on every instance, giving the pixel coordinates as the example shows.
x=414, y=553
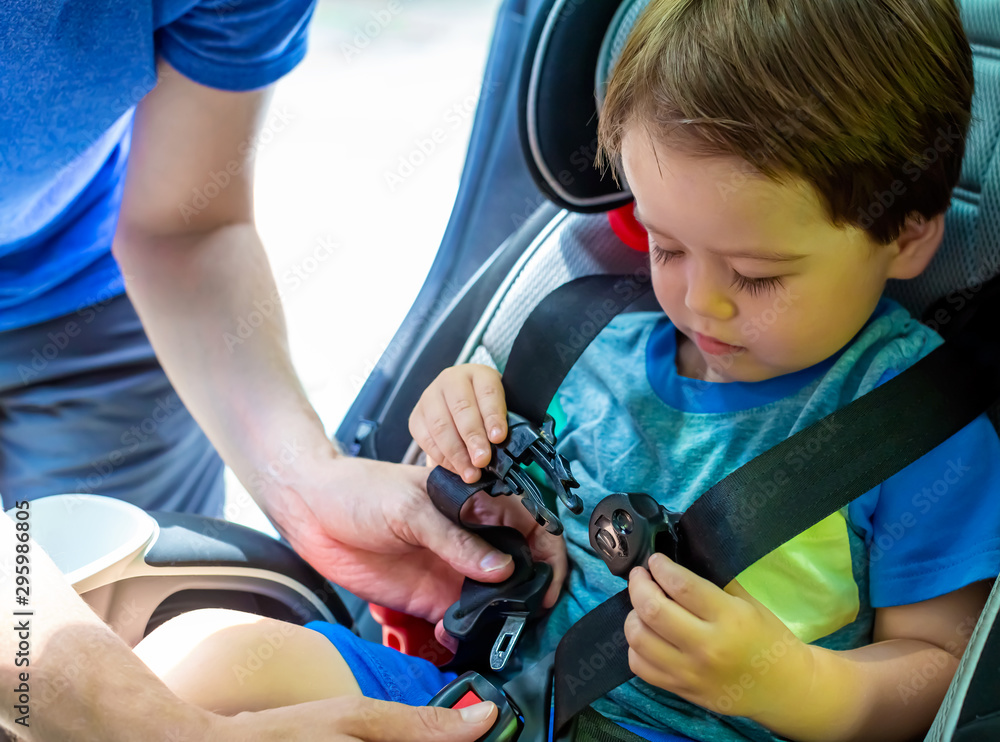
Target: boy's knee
x=206, y=620
x=183, y=632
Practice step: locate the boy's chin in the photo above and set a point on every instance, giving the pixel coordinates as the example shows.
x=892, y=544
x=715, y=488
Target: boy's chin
x=742, y=367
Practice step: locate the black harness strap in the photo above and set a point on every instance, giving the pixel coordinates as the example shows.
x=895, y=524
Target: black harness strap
x=557, y=332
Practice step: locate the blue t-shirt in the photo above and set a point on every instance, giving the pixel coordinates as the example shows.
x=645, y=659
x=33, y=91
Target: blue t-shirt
x=71, y=74
x=628, y=422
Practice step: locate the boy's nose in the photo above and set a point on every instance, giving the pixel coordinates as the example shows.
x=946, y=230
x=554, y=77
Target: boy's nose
x=708, y=294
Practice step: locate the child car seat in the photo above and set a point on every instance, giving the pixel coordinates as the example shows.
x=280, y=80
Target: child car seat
x=556, y=245
x=572, y=244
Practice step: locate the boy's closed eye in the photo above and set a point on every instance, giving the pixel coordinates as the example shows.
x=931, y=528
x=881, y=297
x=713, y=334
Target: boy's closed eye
x=751, y=285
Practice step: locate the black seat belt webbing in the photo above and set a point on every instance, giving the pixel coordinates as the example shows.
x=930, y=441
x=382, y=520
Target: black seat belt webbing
x=557, y=332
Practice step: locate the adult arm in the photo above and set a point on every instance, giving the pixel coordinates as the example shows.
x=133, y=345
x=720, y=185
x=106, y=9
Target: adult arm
x=199, y=279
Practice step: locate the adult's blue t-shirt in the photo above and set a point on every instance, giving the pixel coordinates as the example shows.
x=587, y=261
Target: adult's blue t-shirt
x=71, y=73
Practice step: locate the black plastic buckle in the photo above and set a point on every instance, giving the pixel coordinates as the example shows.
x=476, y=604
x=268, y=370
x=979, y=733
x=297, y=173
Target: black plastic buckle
x=471, y=688
x=490, y=616
x=524, y=445
x=627, y=527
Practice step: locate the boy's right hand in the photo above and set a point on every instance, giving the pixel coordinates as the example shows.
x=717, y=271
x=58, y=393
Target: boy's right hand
x=458, y=416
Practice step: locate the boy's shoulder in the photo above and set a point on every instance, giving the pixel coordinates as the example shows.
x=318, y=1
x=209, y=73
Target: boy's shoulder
x=624, y=336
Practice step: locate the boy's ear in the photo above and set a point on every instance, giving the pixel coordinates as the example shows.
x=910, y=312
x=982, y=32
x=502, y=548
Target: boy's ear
x=916, y=245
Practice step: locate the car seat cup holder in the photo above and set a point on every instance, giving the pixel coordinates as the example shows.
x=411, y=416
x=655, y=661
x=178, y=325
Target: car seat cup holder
x=626, y=528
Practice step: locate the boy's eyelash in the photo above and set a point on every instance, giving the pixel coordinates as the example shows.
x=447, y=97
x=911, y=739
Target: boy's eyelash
x=752, y=286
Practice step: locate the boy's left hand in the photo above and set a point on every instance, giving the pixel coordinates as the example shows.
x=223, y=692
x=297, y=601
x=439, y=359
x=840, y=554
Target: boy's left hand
x=722, y=650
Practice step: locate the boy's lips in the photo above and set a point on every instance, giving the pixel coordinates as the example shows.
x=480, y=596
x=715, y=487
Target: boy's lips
x=715, y=346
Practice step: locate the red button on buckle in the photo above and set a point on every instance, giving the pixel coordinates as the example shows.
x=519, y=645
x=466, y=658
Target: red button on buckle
x=469, y=699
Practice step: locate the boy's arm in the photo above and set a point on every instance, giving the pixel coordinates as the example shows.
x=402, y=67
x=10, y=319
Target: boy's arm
x=889, y=690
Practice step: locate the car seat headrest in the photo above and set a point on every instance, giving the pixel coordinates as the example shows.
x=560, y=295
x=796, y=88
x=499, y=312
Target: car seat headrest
x=614, y=42
x=557, y=110
x=969, y=254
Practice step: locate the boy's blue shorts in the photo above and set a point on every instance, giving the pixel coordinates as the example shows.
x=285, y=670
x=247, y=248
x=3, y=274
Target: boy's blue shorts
x=390, y=675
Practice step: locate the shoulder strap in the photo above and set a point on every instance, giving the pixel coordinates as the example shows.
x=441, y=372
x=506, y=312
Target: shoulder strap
x=556, y=333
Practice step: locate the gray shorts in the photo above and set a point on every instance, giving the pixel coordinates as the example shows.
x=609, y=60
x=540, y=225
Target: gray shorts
x=86, y=407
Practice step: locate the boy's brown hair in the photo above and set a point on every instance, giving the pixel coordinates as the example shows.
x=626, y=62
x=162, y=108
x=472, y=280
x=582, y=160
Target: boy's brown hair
x=867, y=100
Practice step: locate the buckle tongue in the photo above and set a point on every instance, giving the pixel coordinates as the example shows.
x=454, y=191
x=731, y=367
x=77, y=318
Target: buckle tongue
x=507, y=640
x=525, y=445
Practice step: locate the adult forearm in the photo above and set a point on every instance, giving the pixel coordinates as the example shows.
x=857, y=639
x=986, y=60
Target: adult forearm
x=66, y=676
x=886, y=691
x=210, y=306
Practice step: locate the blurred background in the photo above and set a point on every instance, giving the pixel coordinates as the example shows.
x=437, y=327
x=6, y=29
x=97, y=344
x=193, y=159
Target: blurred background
x=357, y=168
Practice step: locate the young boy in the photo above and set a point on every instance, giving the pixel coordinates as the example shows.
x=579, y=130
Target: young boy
x=756, y=138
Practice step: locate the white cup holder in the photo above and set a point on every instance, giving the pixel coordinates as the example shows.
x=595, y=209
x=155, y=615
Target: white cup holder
x=91, y=538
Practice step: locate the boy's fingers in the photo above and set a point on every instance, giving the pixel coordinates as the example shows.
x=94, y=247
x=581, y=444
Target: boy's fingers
x=657, y=674
x=647, y=643
x=385, y=721
x=463, y=405
x=492, y=406
x=696, y=594
x=671, y=621
x=424, y=440
x=441, y=427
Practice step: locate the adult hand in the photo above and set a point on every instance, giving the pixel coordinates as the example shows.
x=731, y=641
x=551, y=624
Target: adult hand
x=355, y=719
x=370, y=527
